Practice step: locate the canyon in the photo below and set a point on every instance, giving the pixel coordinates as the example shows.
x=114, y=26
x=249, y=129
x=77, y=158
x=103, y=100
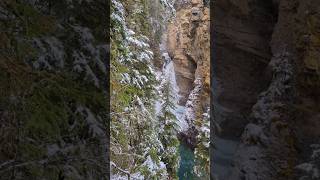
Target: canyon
x=188, y=45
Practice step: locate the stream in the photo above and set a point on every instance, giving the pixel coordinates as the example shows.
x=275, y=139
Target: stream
x=185, y=171
x=224, y=148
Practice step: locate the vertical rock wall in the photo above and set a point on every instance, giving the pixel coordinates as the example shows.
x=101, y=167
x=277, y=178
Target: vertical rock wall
x=188, y=46
x=266, y=72
x=243, y=31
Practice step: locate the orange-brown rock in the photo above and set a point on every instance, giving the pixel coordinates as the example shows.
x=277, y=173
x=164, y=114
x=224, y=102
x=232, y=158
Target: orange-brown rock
x=189, y=46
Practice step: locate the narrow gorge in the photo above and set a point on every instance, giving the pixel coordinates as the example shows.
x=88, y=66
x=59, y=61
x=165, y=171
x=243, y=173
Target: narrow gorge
x=187, y=44
x=161, y=77
x=182, y=89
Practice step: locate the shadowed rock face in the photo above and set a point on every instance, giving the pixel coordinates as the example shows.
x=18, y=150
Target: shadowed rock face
x=243, y=32
x=189, y=138
x=266, y=83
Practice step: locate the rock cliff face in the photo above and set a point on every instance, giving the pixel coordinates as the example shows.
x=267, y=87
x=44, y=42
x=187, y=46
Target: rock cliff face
x=242, y=56
x=266, y=80
x=188, y=46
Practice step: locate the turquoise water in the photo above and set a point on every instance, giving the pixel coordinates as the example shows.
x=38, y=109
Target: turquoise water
x=185, y=171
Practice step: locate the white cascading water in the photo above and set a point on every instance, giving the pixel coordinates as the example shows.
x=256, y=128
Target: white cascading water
x=171, y=76
x=168, y=73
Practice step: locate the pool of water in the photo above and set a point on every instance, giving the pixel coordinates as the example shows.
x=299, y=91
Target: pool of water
x=223, y=159
x=185, y=171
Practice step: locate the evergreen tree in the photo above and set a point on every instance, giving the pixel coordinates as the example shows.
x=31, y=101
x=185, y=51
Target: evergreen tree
x=53, y=102
x=202, y=167
x=168, y=130
x=135, y=147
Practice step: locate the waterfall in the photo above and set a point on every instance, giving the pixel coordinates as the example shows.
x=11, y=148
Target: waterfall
x=168, y=73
